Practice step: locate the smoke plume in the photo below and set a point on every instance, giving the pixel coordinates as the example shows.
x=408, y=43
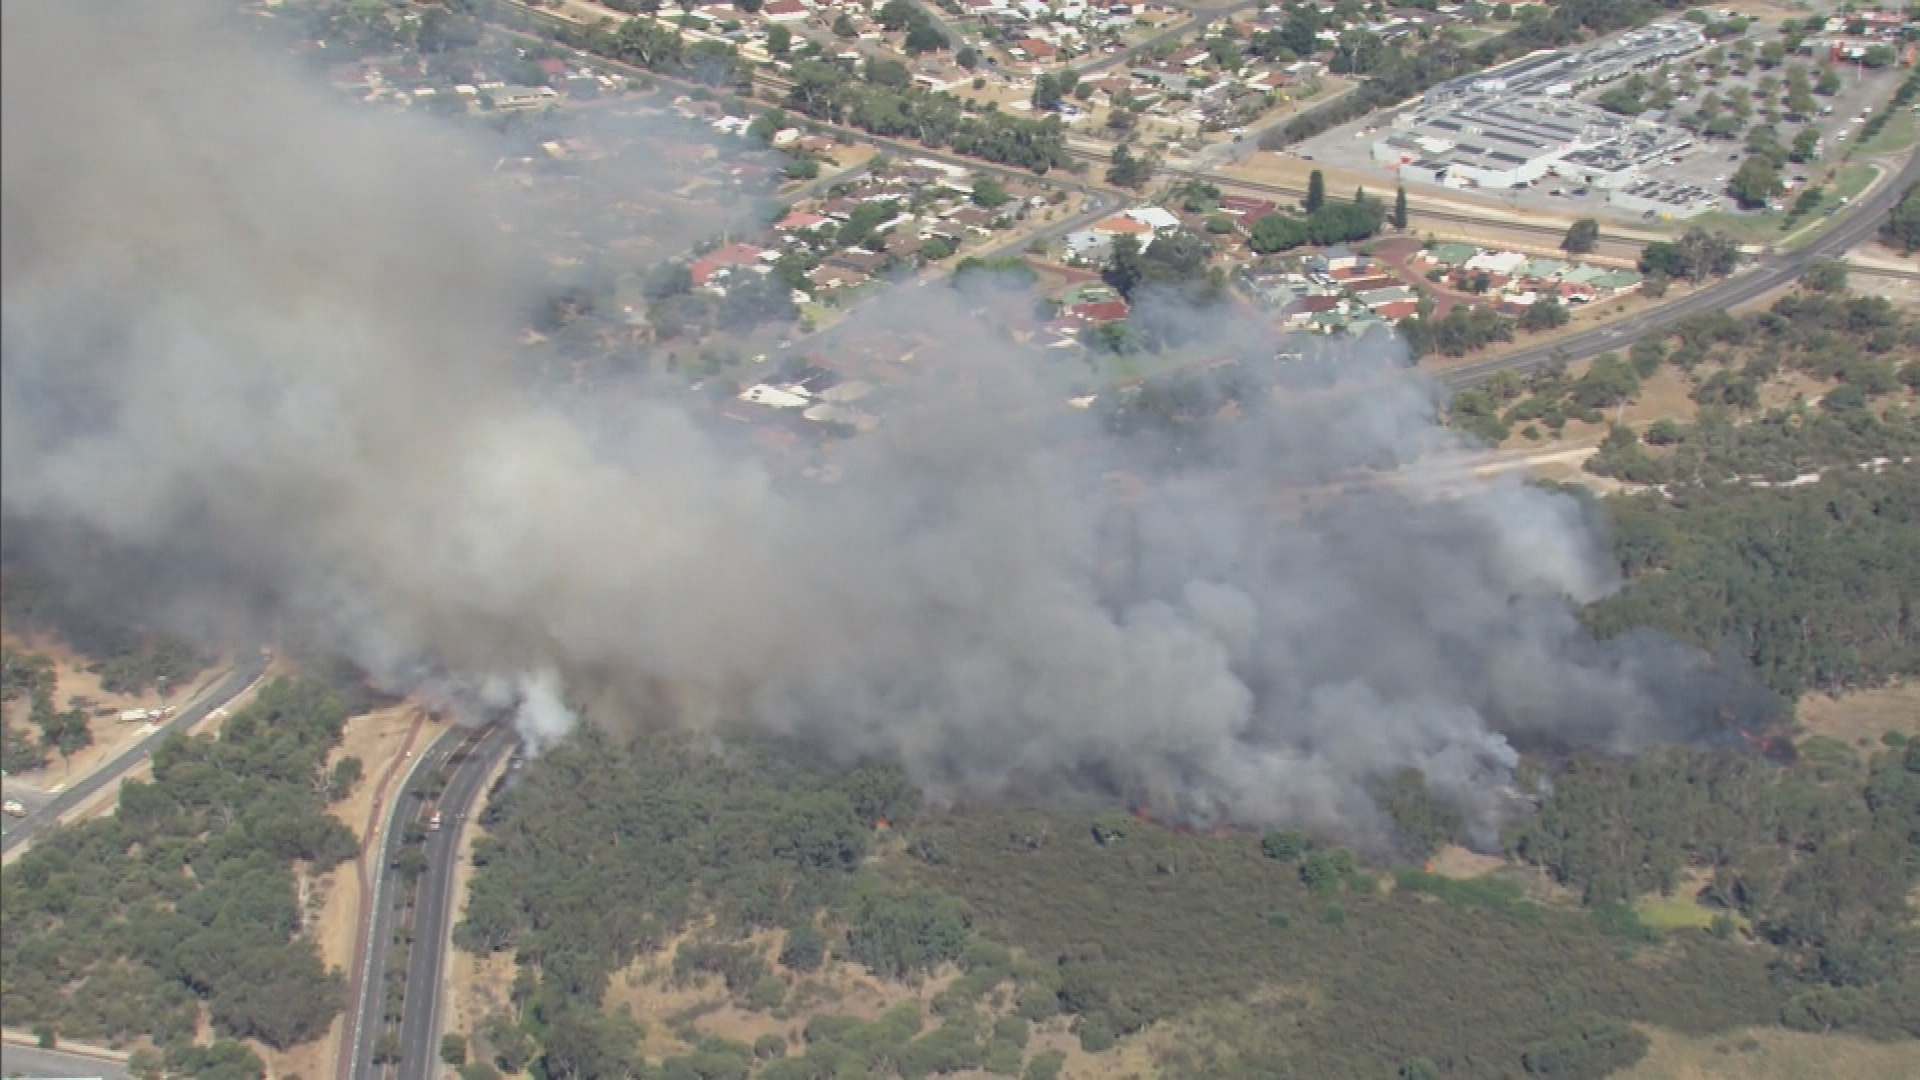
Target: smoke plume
x=265, y=346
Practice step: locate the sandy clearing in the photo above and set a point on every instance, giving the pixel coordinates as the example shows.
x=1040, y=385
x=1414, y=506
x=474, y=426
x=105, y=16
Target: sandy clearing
x=1863, y=716
x=1772, y=1054
x=76, y=687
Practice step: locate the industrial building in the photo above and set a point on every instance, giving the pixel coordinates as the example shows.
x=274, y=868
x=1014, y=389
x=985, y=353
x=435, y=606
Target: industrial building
x=1511, y=125
x=1564, y=72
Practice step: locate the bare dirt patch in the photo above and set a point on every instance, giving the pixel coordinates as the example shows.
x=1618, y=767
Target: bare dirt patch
x=1864, y=716
x=1455, y=861
x=1772, y=1054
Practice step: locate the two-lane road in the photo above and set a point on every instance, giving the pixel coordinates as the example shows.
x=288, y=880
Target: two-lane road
x=468, y=761
x=250, y=666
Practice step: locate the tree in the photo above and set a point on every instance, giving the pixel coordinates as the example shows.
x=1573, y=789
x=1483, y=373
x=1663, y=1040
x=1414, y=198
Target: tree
x=805, y=949
x=890, y=73
x=1825, y=275
x=989, y=192
x=1902, y=230
x=924, y=37
x=344, y=778
x=1400, y=208
x=1756, y=183
x=1316, y=191
x=843, y=27
x=1544, y=314
x=779, y=40
x=1696, y=256
x=453, y=1049
x=1047, y=93
x=1806, y=146
x=968, y=57
x=1284, y=845
x=1582, y=237
x=1129, y=171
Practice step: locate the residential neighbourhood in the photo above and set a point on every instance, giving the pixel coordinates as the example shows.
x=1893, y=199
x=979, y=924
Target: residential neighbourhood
x=1615, y=127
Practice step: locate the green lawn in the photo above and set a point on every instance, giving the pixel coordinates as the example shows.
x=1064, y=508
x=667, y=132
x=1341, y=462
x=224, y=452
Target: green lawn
x=1853, y=180
x=1677, y=913
x=1897, y=135
x=1847, y=183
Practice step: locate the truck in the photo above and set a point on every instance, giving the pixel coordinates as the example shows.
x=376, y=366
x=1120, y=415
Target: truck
x=433, y=823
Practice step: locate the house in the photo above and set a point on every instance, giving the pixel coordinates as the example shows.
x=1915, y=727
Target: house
x=1098, y=313
x=1089, y=245
x=974, y=218
x=1397, y=309
x=940, y=78
x=1035, y=49
x=1153, y=217
x=800, y=221
x=1377, y=296
x=1363, y=284
x=1123, y=225
x=719, y=263
x=775, y=397
x=783, y=11
x=1246, y=208
x=865, y=263
x=1497, y=262
x=828, y=275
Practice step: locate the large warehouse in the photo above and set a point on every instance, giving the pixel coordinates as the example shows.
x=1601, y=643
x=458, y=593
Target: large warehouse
x=1512, y=125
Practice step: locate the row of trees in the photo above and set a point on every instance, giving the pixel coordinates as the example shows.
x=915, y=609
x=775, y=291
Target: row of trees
x=1699, y=254
x=185, y=899
x=1325, y=222
x=828, y=91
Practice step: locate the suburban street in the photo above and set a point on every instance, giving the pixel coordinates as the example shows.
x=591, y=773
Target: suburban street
x=31, y=1061
x=420, y=1018
x=248, y=668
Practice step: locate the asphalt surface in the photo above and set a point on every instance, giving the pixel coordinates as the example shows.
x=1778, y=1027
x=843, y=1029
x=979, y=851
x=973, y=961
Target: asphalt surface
x=252, y=663
x=32, y=1061
x=420, y=1015
x=1854, y=227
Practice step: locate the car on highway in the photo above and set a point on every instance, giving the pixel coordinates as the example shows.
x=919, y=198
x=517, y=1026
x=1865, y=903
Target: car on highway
x=15, y=808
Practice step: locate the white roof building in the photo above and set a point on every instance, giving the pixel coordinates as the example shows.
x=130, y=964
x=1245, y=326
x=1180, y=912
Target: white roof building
x=1154, y=217
x=775, y=397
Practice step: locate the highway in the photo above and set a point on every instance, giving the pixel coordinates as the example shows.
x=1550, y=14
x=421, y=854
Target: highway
x=247, y=670
x=1854, y=228
x=469, y=757
x=17, y=1060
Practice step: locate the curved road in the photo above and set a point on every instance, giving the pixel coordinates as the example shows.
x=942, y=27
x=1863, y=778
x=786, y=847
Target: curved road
x=250, y=666
x=470, y=757
x=1858, y=225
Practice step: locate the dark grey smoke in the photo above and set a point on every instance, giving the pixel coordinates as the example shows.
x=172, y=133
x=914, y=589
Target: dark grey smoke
x=265, y=344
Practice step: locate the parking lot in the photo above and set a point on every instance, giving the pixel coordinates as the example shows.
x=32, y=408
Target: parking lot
x=1726, y=76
